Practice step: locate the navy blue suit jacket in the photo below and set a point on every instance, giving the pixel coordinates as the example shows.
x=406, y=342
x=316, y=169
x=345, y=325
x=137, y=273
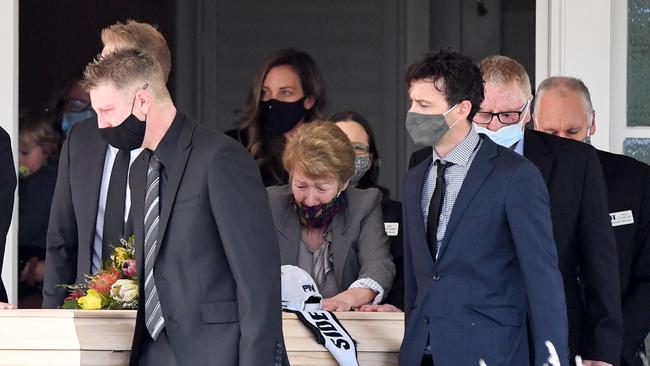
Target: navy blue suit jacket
x=497, y=269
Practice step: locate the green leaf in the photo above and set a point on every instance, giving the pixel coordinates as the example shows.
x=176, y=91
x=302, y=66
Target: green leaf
x=70, y=304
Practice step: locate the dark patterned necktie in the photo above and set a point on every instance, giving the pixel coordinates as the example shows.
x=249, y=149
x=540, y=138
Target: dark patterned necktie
x=153, y=313
x=435, y=207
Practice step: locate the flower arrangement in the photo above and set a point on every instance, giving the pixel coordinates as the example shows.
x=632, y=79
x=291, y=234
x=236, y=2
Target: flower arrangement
x=115, y=287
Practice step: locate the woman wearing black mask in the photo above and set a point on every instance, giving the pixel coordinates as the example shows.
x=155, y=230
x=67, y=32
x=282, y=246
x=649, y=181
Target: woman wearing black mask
x=287, y=91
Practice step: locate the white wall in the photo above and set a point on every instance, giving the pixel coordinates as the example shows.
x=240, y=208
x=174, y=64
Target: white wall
x=619, y=130
x=574, y=38
x=9, y=121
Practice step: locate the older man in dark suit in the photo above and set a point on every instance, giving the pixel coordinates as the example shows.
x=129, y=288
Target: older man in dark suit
x=585, y=240
x=7, y=189
x=208, y=259
x=563, y=108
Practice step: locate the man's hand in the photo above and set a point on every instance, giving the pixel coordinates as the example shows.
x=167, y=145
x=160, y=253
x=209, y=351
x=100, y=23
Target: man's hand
x=4, y=305
x=384, y=308
x=33, y=272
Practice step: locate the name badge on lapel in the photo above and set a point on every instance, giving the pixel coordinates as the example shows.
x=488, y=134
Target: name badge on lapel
x=392, y=228
x=621, y=218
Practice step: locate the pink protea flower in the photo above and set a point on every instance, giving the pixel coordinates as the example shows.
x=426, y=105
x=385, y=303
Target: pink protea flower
x=128, y=268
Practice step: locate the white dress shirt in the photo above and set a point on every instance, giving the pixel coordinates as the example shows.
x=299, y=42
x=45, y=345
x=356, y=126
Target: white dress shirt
x=111, y=153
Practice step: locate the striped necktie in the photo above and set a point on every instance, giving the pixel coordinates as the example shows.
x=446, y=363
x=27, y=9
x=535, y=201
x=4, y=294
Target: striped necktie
x=153, y=313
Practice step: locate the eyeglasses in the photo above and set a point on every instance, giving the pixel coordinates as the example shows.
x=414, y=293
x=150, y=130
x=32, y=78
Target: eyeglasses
x=75, y=105
x=507, y=118
x=361, y=149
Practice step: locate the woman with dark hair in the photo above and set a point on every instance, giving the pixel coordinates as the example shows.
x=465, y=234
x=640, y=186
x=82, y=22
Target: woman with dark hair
x=287, y=91
x=366, y=174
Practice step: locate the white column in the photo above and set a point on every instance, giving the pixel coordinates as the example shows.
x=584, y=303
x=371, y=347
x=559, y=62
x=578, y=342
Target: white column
x=574, y=38
x=9, y=121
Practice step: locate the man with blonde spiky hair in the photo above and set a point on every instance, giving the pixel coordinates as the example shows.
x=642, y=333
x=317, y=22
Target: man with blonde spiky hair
x=141, y=36
x=84, y=223
x=193, y=192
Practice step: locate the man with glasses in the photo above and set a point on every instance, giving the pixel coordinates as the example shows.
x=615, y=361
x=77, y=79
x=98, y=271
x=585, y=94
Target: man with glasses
x=581, y=227
x=73, y=106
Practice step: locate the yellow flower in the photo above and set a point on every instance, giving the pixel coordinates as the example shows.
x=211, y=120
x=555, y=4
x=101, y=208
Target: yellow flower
x=92, y=301
x=119, y=256
x=124, y=290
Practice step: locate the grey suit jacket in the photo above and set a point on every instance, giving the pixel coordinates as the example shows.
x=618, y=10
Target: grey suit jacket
x=360, y=246
x=217, y=268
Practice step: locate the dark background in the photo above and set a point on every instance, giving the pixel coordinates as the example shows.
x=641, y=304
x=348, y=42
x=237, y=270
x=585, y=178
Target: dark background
x=361, y=46
x=58, y=38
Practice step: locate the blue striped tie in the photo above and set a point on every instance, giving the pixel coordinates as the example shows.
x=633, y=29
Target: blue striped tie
x=153, y=313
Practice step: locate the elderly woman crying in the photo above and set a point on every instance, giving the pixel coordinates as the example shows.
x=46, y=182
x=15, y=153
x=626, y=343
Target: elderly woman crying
x=333, y=231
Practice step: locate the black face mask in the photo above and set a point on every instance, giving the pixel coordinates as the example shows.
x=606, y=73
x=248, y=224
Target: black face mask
x=279, y=117
x=129, y=134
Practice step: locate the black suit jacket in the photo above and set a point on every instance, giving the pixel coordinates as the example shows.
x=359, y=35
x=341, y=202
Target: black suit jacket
x=7, y=189
x=584, y=239
x=71, y=232
x=628, y=189
x=217, y=271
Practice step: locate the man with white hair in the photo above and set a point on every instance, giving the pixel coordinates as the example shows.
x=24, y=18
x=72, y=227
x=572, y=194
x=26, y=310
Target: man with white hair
x=563, y=108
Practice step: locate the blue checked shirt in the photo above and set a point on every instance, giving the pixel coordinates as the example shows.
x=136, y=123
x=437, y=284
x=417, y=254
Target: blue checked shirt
x=462, y=156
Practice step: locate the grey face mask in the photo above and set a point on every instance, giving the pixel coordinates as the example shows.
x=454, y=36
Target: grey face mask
x=361, y=166
x=427, y=129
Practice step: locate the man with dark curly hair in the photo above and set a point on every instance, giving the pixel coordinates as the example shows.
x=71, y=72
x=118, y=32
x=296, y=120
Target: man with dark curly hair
x=480, y=265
